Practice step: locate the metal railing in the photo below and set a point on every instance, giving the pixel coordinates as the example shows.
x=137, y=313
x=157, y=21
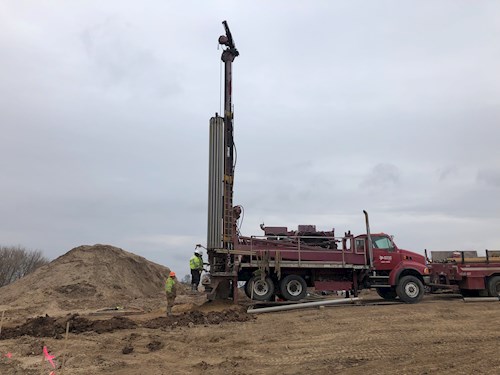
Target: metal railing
x=296, y=244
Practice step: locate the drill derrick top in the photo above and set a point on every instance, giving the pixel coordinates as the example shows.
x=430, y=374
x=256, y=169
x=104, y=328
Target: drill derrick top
x=231, y=52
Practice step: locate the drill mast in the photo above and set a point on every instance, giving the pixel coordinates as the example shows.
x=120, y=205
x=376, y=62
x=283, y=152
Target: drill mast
x=228, y=56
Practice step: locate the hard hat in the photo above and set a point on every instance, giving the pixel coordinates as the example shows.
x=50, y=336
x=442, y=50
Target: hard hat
x=199, y=252
x=172, y=274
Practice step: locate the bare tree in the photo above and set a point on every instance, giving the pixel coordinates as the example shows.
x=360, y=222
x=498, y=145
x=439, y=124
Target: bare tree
x=17, y=262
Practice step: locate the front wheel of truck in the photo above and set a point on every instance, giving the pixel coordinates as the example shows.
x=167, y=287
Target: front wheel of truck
x=410, y=289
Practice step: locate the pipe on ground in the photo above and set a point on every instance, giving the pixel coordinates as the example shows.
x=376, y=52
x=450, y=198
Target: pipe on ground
x=481, y=299
x=302, y=305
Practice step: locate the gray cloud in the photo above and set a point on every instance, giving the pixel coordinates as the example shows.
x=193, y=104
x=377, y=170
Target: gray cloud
x=489, y=177
x=121, y=61
x=382, y=176
x=446, y=172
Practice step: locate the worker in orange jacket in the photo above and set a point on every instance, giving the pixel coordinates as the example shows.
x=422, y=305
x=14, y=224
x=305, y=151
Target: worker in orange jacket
x=171, y=291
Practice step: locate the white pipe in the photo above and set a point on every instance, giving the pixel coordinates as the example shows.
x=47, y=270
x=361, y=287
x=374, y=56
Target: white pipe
x=302, y=305
x=481, y=299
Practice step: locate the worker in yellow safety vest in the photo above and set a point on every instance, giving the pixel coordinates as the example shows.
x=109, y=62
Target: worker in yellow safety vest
x=196, y=266
x=171, y=291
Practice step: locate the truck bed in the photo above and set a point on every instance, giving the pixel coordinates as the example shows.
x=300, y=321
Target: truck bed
x=333, y=252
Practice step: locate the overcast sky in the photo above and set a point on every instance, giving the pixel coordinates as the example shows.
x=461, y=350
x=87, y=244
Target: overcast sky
x=340, y=106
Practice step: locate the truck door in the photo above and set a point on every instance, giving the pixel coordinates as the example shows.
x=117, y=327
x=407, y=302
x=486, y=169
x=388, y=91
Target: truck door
x=384, y=254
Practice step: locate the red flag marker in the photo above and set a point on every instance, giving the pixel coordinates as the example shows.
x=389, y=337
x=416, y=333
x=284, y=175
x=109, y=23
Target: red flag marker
x=48, y=356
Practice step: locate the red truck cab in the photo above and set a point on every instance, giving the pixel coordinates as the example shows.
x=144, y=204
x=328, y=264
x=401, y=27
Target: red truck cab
x=396, y=272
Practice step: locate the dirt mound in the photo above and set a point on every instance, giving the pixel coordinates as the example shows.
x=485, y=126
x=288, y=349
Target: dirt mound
x=198, y=318
x=86, y=278
x=47, y=326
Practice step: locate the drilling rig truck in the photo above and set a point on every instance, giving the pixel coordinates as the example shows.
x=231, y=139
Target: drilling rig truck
x=285, y=263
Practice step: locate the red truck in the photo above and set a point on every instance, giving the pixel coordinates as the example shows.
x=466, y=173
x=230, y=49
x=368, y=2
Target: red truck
x=285, y=263
x=470, y=276
x=293, y=261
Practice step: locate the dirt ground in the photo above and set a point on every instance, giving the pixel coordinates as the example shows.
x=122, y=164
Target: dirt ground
x=440, y=335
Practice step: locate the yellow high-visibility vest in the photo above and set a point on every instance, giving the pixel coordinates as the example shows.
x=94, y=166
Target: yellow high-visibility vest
x=196, y=263
x=169, y=284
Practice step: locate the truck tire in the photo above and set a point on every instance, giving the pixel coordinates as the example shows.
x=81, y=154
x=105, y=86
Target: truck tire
x=247, y=289
x=263, y=289
x=494, y=286
x=410, y=289
x=387, y=293
x=293, y=287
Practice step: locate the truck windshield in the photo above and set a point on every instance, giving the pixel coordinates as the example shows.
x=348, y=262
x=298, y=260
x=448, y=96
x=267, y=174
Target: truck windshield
x=382, y=243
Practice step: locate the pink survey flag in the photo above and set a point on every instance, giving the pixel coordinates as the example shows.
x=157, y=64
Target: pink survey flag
x=49, y=357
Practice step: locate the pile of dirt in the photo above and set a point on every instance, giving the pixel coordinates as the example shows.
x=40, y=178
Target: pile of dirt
x=86, y=278
x=47, y=326
x=198, y=318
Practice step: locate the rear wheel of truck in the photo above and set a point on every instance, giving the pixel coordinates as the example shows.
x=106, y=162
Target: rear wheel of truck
x=410, y=289
x=261, y=289
x=293, y=287
x=387, y=293
x=247, y=289
x=494, y=286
